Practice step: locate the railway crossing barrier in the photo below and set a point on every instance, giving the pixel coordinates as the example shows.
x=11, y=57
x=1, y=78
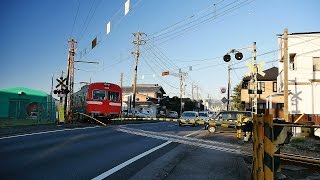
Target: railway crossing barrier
x=209, y=122
x=269, y=135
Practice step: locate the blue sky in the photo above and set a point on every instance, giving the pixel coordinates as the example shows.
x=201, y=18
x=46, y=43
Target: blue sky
x=34, y=36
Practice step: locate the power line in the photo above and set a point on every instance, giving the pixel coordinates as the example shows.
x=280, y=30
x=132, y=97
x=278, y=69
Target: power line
x=114, y=27
x=181, y=32
x=75, y=19
x=161, y=64
x=86, y=26
x=165, y=57
x=186, y=19
x=190, y=17
x=275, y=50
x=157, y=75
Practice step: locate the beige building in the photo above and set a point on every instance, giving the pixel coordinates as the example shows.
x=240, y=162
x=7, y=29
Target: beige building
x=147, y=97
x=267, y=86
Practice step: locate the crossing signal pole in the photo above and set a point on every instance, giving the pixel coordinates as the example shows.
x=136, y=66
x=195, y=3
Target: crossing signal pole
x=227, y=58
x=229, y=86
x=61, y=92
x=255, y=69
x=255, y=78
x=137, y=42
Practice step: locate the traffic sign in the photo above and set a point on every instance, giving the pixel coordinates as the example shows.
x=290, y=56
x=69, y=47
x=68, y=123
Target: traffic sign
x=61, y=82
x=224, y=100
x=165, y=73
x=223, y=90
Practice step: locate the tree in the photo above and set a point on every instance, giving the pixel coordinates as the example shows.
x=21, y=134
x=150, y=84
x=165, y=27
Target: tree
x=189, y=105
x=236, y=98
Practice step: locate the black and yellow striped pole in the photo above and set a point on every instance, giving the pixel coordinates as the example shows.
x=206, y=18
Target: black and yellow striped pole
x=238, y=126
x=269, y=149
x=275, y=135
x=258, y=147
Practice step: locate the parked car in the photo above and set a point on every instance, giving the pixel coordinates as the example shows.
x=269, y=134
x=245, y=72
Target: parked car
x=189, y=115
x=204, y=115
x=173, y=114
x=227, y=116
x=141, y=114
x=212, y=114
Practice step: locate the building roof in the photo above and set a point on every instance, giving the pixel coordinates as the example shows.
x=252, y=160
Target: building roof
x=271, y=74
x=27, y=91
x=143, y=88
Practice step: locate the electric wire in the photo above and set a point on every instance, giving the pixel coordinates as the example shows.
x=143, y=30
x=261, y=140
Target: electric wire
x=157, y=75
x=75, y=19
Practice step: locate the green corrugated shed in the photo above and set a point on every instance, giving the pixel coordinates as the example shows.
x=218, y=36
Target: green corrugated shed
x=25, y=103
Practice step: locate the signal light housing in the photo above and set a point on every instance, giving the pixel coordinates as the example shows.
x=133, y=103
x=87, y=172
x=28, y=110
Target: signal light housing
x=238, y=55
x=227, y=58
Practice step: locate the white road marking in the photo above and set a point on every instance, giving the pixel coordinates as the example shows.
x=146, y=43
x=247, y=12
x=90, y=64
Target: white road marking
x=190, y=134
x=130, y=161
x=139, y=124
x=46, y=132
x=126, y=163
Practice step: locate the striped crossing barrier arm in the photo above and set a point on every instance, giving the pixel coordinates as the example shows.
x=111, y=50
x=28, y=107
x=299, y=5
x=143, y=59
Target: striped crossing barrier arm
x=211, y=122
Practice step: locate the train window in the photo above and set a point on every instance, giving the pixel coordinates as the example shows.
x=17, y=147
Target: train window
x=113, y=96
x=98, y=94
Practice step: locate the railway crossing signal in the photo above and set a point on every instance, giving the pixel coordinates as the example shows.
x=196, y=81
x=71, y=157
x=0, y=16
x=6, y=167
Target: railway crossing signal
x=61, y=82
x=63, y=87
x=238, y=55
x=254, y=69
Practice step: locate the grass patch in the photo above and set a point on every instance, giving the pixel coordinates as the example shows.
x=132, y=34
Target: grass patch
x=22, y=122
x=298, y=139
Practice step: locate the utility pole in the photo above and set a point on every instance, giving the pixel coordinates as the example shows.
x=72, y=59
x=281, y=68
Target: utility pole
x=181, y=92
x=137, y=42
x=70, y=76
x=192, y=92
x=181, y=76
x=197, y=93
x=229, y=86
x=285, y=73
x=121, y=79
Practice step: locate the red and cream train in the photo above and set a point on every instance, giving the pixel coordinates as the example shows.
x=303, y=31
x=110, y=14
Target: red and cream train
x=99, y=100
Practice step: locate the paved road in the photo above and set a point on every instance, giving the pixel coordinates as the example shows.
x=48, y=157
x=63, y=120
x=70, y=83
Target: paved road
x=86, y=153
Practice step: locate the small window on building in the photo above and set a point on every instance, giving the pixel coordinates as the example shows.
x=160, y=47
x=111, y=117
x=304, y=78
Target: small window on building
x=274, y=86
x=245, y=85
x=292, y=61
x=280, y=105
x=261, y=105
x=316, y=63
x=261, y=86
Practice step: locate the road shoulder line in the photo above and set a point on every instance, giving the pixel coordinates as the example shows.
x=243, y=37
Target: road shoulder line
x=47, y=132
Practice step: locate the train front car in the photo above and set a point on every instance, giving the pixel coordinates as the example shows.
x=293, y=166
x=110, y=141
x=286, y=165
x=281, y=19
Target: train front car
x=104, y=100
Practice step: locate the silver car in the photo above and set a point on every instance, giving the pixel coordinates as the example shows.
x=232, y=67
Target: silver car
x=204, y=115
x=187, y=116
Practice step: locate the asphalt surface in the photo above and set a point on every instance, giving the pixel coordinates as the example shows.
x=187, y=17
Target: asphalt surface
x=86, y=153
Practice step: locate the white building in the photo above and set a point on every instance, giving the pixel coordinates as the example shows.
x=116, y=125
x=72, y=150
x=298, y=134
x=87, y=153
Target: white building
x=303, y=74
